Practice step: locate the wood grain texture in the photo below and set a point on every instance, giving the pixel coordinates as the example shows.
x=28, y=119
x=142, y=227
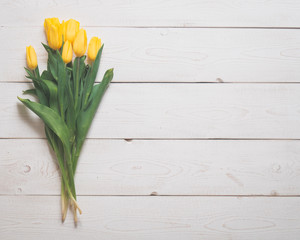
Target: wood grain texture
x=174, y=111
x=152, y=218
x=173, y=55
x=158, y=167
x=177, y=13
x=153, y=138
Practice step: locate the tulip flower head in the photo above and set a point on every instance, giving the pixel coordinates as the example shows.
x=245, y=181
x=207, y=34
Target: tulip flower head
x=71, y=28
x=80, y=43
x=67, y=52
x=48, y=22
x=94, y=46
x=31, y=58
x=53, y=30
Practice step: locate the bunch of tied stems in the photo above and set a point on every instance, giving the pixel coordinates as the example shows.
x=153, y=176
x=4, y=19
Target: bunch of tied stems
x=67, y=96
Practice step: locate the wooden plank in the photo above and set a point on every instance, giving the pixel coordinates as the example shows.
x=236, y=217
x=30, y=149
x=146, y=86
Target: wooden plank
x=146, y=218
x=156, y=167
x=173, y=55
x=174, y=111
x=176, y=13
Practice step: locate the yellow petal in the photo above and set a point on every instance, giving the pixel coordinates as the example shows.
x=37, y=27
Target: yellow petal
x=94, y=46
x=48, y=22
x=67, y=53
x=31, y=58
x=80, y=43
x=72, y=28
x=54, y=32
x=55, y=37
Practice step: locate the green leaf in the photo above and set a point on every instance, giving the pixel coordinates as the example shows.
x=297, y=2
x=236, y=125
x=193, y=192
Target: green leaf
x=37, y=71
x=78, y=71
x=40, y=90
x=52, y=97
x=67, y=99
x=70, y=112
x=29, y=72
x=31, y=91
x=48, y=49
x=91, y=77
x=53, y=66
x=29, y=77
x=49, y=135
x=55, y=143
x=86, y=116
x=62, y=80
x=51, y=120
x=52, y=63
x=47, y=75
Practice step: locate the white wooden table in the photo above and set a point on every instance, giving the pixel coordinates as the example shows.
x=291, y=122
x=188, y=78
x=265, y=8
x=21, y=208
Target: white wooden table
x=196, y=138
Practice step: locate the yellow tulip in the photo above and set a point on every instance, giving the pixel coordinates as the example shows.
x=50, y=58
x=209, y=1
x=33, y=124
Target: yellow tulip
x=94, y=46
x=67, y=53
x=71, y=29
x=31, y=58
x=50, y=21
x=54, y=32
x=80, y=43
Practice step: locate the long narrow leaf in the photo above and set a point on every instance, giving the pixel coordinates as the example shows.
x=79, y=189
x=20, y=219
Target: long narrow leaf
x=86, y=116
x=62, y=79
x=78, y=71
x=40, y=90
x=31, y=91
x=52, y=62
x=52, y=120
x=47, y=75
x=52, y=90
x=91, y=77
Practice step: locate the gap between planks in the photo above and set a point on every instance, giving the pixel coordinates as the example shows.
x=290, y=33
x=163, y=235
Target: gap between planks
x=153, y=195
x=218, y=81
x=168, y=139
x=162, y=27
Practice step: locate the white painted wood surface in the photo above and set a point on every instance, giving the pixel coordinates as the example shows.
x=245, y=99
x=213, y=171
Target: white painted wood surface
x=204, y=112
x=168, y=110
x=153, y=218
x=174, y=54
x=157, y=167
x=157, y=13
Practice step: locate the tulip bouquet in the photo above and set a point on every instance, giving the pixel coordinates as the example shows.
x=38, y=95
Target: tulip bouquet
x=68, y=98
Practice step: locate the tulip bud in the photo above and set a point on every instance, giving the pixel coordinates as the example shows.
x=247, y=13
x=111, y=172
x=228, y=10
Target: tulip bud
x=48, y=22
x=71, y=29
x=67, y=53
x=54, y=32
x=94, y=46
x=31, y=58
x=80, y=43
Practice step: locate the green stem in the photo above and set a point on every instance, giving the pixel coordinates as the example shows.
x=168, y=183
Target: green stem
x=71, y=178
x=34, y=73
x=64, y=194
x=68, y=186
x=66, y=177
x=76, y=157
x=62, y=114
x=59, y=155
x=64, y=200
x=77, y=82
x=62, y=170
